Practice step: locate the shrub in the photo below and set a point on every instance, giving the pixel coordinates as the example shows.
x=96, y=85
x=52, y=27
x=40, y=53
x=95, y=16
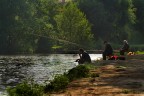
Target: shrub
x=59, y=83
x=26, y=89
x=78, y=72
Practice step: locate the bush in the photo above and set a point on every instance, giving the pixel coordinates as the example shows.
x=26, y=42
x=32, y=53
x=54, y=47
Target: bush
x=59, y=83
x=25, y=89
x=78, y=72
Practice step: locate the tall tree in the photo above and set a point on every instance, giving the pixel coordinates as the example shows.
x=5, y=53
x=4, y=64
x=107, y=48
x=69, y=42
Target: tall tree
x=45, y=23
x=97, y=16
x=139, y=4
x=13, y=14
x=122, y=15
x=110, y=19
x=73, y=26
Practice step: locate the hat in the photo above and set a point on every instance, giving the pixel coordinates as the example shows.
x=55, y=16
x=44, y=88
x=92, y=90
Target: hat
x=125, y=41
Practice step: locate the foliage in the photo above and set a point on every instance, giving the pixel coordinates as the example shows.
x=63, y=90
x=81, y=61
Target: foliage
x=59, y=83
x=44, y=24
x=26, y=89
x=96, y=15
x=78, y=72
x=29, y=26
x=73, y=26
x=13, y=22
x=26, y=25
x=139, y=5
x=139, y=52
x=111, y=20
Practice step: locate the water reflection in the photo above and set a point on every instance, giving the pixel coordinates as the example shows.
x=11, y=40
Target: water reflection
x=14, y=69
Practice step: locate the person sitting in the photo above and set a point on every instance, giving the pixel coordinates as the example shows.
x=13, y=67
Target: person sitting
x=108, y=51
x=125, y=47
x=84, y=57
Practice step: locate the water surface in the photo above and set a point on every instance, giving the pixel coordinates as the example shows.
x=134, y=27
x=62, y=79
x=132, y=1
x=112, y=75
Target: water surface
x=14, y=69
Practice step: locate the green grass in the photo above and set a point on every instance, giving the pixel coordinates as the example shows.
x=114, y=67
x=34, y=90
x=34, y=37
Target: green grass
x=59, y=83
x=139, y=52
x=26, y=89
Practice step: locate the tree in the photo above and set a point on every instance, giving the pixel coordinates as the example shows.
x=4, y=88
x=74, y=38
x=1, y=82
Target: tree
x=24, y=24
x=14, y=15
x=45, y=24
x=109, y=18
x=122, y=15
x=73, y=27
x=139, y=4
x=96, y=15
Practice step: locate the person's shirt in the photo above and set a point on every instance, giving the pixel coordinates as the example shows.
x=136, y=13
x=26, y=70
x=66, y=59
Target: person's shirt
x=108, y=48
x=85, y=57
x=125, y=46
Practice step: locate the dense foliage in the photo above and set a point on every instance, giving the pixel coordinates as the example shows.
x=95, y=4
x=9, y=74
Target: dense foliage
x=60, y=82
x=26, y=89
x=78, y=72
x=29, y=26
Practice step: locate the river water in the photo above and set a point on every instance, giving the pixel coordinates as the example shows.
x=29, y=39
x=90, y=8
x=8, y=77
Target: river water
x=40, y=68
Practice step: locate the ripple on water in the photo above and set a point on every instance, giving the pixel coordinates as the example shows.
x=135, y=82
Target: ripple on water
x=15, y=69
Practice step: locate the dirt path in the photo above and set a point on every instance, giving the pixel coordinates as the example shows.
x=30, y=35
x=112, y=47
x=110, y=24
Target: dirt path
x=116, y=78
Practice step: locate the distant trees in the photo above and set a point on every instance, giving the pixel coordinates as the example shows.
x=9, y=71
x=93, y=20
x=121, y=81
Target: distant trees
x=110, y=19
x=44, y=26
x=29, y=26
x=14, y=16
x=139, y=5
x=96, y=15
x=24, y=23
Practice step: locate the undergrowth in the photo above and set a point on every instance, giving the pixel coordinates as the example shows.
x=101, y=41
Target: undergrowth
x=59, y=83
x=26, y=89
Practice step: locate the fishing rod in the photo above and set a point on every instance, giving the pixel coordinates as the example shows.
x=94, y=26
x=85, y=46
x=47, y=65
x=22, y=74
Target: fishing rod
x=60, y=40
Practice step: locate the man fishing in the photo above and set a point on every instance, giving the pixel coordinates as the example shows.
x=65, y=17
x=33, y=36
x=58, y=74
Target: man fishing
x=84, y=57
x=108, y=51
x=125, y=47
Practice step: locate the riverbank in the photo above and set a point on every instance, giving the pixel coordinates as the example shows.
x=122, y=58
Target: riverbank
x=116, y=78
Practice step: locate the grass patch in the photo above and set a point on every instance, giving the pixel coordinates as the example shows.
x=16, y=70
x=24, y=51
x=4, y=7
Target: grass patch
x=139, y=52
x=80, y=71
x=59, y=83
x=26, y=89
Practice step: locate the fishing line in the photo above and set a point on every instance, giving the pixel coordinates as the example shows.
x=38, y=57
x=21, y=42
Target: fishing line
x=60, y=40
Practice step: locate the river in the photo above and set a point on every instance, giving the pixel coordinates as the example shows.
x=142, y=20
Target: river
x=40, y=68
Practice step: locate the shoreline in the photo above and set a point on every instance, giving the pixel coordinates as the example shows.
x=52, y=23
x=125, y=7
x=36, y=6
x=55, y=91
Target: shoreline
x=116, y=78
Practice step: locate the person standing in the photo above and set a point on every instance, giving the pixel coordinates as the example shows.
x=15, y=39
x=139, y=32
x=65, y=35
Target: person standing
x=84, y=57
x=108, y=51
